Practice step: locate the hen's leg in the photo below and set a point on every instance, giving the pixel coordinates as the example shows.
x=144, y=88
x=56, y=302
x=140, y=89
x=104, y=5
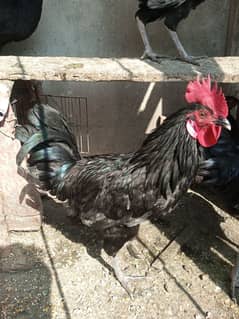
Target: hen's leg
x=183, y=54
x=148, y=51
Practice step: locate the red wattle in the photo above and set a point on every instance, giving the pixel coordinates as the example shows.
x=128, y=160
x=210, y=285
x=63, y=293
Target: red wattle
x=208, y=136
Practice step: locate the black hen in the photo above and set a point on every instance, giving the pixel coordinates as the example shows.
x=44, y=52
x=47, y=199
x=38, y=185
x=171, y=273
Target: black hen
x=172, y=11
x=113, y=194
x=221, y=165
x=18, y=19
x=220, y=174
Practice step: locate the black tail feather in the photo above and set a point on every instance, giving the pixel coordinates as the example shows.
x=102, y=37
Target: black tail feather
x=50, y=146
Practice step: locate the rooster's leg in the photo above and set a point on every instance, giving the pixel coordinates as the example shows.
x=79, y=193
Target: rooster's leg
x=148, y=53
x=121, y=277
x=182, y=52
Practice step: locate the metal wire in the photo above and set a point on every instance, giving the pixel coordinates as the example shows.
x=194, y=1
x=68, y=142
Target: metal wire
x=75, y=110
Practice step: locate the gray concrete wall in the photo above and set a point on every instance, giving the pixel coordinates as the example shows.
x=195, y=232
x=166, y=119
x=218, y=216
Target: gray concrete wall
x=120, y=113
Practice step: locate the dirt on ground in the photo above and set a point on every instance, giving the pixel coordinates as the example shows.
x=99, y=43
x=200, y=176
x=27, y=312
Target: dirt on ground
x=185, y=259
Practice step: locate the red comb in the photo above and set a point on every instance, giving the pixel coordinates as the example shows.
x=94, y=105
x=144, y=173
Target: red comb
x=202, y=92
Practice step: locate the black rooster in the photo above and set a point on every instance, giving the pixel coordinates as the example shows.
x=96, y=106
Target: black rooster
x=18, y=19
x=113, y=194
x=172, y=11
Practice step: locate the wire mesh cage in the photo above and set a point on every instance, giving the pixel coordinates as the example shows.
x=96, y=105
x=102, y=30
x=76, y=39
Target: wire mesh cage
x=74, y=109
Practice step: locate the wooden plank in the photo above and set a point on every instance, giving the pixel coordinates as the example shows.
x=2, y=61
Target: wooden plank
x=222, y=69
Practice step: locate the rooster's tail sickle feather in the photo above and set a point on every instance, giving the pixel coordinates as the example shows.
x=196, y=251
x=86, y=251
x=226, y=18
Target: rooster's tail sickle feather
x=51, y=147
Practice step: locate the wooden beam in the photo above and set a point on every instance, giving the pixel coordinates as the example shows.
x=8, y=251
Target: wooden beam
x=222, y=69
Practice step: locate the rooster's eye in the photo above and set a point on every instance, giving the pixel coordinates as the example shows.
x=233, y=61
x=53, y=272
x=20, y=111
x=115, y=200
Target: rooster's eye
x=202, y=114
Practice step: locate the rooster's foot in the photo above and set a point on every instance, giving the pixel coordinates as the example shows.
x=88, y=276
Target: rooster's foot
x=122, y=278
x=191, y=59
x=150, y=55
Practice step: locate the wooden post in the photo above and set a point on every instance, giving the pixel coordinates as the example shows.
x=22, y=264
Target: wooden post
x=232, y=42
x=20, y=203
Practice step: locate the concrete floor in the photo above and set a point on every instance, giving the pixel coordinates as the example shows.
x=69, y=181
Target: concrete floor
x=56, y=274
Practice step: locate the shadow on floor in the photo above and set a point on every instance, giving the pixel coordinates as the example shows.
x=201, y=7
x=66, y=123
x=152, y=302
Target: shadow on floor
x=25, y=284
x=205, y=241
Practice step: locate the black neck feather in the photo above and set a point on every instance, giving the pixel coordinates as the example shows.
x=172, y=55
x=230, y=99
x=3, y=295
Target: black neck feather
x=169, y=155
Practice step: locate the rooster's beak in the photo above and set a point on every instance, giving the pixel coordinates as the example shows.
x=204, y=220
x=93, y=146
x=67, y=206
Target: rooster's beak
x=223, y=122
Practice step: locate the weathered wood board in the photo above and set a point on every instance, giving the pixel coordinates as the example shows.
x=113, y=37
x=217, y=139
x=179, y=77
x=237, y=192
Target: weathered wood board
x=222, y=69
